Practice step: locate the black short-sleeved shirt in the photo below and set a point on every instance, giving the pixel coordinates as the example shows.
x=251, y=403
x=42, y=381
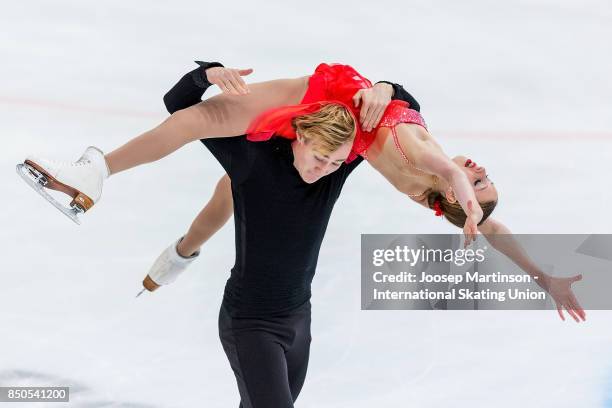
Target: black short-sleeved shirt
x=280, y=222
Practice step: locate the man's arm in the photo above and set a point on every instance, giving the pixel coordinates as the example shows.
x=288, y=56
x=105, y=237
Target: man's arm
x=189, y=89
x=375, y=100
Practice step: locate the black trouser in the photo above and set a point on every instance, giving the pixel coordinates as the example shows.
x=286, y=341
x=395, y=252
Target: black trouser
x=269, y=356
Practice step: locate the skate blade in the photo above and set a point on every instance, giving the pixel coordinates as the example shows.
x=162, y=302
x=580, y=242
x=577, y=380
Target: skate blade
x=37, y=181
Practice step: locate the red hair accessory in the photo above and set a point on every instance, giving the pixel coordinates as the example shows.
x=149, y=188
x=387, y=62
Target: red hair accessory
x=437, y=208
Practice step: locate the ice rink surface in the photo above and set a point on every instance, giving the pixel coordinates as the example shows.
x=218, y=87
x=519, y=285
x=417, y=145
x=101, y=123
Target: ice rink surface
x=521, y=87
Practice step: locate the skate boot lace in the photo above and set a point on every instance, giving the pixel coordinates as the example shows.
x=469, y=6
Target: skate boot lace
x=78, y=163
x=82, y=162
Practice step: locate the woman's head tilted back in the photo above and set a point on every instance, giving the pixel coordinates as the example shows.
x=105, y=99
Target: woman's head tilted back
x=324, y=141
x=484, y=189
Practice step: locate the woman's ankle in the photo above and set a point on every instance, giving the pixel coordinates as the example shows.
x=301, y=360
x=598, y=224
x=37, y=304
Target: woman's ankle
x=186, y=249
x=109, y=164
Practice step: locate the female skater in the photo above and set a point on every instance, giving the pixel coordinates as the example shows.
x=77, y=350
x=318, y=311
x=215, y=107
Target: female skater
x=229, y=115
x=189, y=90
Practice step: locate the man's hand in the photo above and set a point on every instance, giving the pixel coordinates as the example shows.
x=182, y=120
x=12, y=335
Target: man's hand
x=229, y=80
x=373, y=102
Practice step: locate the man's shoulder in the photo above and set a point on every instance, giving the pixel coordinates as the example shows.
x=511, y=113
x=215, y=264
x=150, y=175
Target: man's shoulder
x=232, y=144
x=354, y=163
x=223, y=140
x=346, y=169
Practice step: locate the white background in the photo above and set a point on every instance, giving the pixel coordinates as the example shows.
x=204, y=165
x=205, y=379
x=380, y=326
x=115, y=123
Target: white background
x=522, y=87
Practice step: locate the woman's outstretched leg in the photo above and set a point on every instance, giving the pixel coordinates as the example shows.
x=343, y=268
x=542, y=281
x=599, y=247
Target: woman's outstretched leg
x=210, y=220
x=220, y=116
x=180, y=254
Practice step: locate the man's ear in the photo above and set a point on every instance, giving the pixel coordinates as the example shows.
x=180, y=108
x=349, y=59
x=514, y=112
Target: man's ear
x=299, y=137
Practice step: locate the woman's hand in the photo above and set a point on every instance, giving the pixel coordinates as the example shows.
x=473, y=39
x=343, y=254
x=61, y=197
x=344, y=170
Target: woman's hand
x=461, y=190
x=373, y=102
x=561, y=291
x=229, y=79
x=470, y=228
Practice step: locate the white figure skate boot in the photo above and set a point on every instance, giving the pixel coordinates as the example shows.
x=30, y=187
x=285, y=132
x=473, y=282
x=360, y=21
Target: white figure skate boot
x=81, y=180
x=167, y=267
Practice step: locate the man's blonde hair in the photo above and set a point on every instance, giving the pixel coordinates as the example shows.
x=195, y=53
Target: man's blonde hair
x=330, y=127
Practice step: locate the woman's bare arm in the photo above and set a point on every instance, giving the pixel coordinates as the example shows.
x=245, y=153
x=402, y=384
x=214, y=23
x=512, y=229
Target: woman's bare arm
x=501, y=238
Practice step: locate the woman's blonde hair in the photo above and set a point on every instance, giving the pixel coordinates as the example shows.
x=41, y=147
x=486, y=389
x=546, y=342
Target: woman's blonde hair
x=329, y=127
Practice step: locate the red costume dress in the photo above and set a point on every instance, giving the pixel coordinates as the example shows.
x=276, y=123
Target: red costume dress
x=333, y=83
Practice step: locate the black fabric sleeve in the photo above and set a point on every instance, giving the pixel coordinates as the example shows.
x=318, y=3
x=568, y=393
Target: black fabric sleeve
x=400, y=93
x=189, y=89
